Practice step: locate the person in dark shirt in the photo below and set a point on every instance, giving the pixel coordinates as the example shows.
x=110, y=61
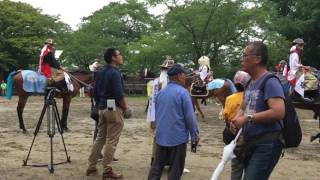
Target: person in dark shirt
x=260, y=116
x=113, y=108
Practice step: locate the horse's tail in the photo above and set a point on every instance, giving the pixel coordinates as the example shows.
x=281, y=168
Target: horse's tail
x=10, y=84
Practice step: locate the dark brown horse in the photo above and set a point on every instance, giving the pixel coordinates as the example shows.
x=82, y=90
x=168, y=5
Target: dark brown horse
x=221, y=94
x=79, y=78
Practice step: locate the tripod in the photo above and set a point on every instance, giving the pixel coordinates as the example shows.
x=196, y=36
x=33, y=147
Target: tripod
x=53, y=117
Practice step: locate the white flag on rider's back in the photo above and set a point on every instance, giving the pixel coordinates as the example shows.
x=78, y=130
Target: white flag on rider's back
x=299, y=87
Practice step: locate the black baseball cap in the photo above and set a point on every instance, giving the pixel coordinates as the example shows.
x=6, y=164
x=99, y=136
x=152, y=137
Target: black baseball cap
x=175, y=70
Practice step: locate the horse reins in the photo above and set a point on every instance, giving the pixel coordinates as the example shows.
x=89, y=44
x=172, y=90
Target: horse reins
x=81, y=82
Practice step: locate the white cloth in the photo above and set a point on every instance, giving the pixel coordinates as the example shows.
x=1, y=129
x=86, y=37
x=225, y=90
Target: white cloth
x=68, y=81
x=41, y=56
x=294, y=61
x=203, y=72
x=94, y=66
x=299, y=88
x=163, y=81
x=293, y=64
x=227, y=155
x=57, y=53
x=151, y=114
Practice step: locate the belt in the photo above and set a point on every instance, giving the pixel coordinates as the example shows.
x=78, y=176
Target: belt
x=265, y=138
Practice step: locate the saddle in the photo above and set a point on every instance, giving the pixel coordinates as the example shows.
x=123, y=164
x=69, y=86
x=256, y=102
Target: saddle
x=35, y=82
x=198, y=87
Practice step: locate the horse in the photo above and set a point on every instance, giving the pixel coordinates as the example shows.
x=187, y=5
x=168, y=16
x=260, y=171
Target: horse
x=221, y=93
x=80, y=79
x=297, y=101
x=301, y=104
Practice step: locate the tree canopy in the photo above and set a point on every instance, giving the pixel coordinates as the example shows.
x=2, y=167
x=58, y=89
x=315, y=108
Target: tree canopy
x=23, y=29
x=185, y=31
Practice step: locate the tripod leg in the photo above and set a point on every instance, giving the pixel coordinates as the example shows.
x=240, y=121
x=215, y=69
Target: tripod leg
x=57, y=118
x=36, y=132
x=50, y=166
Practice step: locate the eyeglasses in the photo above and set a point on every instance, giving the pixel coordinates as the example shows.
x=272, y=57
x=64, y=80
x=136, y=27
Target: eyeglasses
x=244, y=55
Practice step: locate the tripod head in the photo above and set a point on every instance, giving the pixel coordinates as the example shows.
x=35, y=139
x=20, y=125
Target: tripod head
x=51, y=93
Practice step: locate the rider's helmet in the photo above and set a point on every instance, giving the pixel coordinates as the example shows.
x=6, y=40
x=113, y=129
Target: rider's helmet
x=49, y=41
x=168, y=63
x=298, y=41
x=283, y=62
x=204, y=61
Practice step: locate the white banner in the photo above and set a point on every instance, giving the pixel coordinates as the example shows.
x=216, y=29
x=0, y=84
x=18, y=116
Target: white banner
x=299, y=88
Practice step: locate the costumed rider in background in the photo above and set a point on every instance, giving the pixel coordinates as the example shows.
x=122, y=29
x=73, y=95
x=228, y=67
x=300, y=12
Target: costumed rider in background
x=158, y=84
x=204, y=69
x=203, y=77
x=49, y=66
x=300, y=77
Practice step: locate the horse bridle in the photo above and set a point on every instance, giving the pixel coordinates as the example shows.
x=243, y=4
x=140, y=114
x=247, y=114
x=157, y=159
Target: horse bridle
x=81, y=82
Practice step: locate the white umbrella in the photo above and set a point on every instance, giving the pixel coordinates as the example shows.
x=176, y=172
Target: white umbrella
x=226, y=156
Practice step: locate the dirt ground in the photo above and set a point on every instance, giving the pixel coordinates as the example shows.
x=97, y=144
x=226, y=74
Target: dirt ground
x=134, y=148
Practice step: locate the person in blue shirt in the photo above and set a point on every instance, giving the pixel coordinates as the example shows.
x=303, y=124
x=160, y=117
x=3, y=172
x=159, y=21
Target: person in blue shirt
x=175, y=122
x=260, y=116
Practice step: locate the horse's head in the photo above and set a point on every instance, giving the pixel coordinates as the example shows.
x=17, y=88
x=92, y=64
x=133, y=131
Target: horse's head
x=84, y=75
x=221, y=89
x=82, y=78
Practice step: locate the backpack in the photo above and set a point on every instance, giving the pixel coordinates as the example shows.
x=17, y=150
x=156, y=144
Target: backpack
x=291, y=129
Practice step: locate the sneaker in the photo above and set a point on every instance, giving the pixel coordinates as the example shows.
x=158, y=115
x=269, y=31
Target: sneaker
x=111, y=174
x=185, y=170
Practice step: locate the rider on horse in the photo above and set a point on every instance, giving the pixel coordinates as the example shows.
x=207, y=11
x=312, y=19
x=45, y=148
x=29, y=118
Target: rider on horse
x=48, y=64
x=300, y=77
x=204, y=69
x=202, y=77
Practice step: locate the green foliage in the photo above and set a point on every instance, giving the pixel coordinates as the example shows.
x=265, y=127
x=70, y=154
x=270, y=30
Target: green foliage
x=23, y=30
x=186, y=30
x=150, y=51
x=218, y=29
x=115, y=25
x=300, y=18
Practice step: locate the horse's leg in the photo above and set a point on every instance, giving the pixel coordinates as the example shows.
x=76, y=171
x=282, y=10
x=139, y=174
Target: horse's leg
x=65, y=112
x=20, y=107
x=312, y=138
x=196, y=103
x=316, y=113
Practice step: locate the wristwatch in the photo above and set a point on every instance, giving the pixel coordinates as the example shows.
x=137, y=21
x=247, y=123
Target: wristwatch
x=250, y=118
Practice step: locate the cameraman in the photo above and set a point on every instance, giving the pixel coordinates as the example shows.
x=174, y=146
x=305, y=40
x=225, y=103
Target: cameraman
x=109, y=96
x=175, y=120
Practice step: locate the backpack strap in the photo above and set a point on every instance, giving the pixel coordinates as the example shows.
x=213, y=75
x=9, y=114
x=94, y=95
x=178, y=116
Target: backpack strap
x=263, y=83
x=269, y=75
